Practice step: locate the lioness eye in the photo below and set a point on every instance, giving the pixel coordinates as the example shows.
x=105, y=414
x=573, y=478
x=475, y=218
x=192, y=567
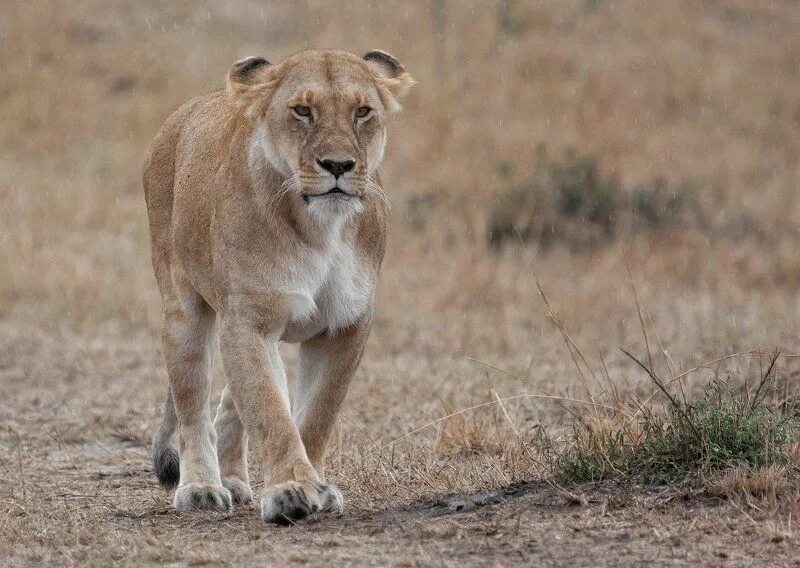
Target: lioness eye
x=362, y=112
x=302, y=110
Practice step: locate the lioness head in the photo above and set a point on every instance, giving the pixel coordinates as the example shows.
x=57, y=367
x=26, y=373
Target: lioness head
x=322, y=119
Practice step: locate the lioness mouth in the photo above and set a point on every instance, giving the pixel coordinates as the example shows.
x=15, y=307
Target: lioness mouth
x=334, y=191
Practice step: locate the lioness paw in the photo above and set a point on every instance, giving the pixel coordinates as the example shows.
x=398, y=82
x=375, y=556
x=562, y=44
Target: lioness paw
x=239, y=489
x=330, y=498
x=288, y=502
x=200, y=496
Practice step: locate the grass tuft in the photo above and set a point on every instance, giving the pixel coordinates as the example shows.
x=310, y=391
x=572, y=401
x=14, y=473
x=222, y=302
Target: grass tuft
x=722, y=429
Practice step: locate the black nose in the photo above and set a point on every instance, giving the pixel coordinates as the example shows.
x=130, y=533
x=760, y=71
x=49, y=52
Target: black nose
x=337, y=168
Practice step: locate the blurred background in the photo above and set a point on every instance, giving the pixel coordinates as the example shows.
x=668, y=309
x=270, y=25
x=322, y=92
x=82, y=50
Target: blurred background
x=548, y=136
x=571, y=126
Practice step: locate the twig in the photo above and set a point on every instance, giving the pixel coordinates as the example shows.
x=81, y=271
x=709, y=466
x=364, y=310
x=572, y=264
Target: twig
x=638, y=307
x=663, y=389
x=571, y=345
x=526, y=381
x=485, y=404
x=765, y=377
x=505, y=412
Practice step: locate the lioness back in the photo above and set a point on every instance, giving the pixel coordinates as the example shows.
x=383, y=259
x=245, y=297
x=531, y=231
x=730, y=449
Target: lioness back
x=179, y=172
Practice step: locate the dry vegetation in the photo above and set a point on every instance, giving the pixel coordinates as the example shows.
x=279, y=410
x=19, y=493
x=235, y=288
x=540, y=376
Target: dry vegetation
x=670, y=128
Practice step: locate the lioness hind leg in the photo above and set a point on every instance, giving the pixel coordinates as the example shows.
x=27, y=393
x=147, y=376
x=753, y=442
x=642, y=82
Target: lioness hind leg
x=232, y=449
x=188, y=328
x=166, y=463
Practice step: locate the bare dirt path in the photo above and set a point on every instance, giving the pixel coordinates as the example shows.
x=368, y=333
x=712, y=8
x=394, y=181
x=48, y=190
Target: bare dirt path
x=76, y=488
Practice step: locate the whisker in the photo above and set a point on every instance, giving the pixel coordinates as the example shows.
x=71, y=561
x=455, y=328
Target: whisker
x=289, y=184
x=372, y=189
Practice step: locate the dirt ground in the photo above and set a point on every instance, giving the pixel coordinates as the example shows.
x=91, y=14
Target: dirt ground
x=78, y=490
x=438, y=447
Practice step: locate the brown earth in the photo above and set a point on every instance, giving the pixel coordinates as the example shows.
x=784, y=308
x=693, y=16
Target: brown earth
x=78, y=490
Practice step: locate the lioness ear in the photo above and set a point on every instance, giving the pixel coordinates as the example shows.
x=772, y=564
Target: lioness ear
x=250, y=81
x=246, y=70
x=391, y=78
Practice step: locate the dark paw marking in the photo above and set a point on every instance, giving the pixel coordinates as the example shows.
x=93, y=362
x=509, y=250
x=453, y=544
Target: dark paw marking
x=167, y=467
x=203, y=498
x=288, y=503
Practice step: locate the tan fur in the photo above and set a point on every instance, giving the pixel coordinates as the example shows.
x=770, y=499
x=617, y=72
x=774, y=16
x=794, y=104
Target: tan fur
x=246, y=246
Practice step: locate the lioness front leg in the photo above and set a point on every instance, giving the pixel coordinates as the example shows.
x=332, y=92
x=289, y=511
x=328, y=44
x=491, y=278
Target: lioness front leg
x=257, y=382
x=188, y=327
x=327, y=363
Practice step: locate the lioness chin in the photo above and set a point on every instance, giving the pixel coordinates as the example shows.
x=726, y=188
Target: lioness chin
x=268, y=223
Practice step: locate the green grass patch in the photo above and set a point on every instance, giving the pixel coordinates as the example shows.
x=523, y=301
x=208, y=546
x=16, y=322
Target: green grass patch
x=725, y=427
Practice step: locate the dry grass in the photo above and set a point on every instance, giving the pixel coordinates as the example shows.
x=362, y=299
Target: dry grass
x=689, y=94
x=767, y=483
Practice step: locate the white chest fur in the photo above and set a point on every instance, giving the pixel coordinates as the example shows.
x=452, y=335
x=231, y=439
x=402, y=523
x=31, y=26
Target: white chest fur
x=334, y=289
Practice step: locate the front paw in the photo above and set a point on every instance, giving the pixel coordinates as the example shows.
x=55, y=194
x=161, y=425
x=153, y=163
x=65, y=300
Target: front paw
x=201, y=496
x=240, y=490
x=288, y=502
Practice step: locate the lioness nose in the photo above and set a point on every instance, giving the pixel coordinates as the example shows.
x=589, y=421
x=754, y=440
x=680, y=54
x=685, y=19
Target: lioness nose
x=337, y=168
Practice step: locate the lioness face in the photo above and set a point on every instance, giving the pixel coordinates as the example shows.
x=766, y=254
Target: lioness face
x=324, y=123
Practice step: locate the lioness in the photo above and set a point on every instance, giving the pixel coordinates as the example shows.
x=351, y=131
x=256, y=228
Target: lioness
x=268, y=223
